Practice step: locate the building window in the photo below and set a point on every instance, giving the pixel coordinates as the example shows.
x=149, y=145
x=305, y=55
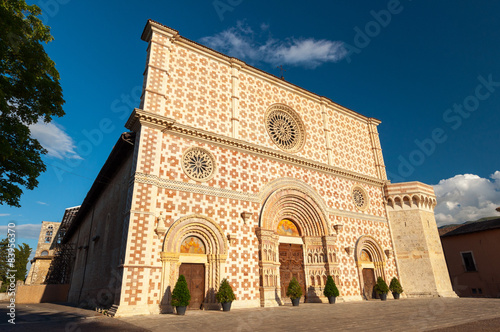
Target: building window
x=468, y=260
x=44, y=253
x=198, y=164
x=285, y=128
x=48, y=239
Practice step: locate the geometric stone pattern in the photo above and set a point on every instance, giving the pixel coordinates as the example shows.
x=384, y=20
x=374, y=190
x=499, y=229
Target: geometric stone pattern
x=197, y=92
x=195, y=87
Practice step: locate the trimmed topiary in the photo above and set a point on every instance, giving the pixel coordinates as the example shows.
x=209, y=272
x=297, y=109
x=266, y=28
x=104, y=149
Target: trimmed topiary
x=225, y=293
x=381, y=287
x=180, y=294
x=395, y=286
x=294, y=290
x=330, y=288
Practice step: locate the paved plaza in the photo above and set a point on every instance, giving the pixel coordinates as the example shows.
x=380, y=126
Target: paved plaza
x=442, y=314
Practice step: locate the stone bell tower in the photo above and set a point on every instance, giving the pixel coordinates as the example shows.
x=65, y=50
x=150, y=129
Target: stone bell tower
x=419, y=253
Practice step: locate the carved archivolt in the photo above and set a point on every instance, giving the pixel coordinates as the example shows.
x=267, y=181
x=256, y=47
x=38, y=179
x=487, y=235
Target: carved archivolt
x=371, y=246
x=298, y=206
x=199, y=226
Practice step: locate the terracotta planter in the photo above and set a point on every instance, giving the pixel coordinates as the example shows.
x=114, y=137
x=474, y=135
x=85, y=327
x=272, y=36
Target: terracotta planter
x=331, y=299
x=396, y=296
x=296, y=302
x=226, y=306
x=180, y=310
x=383, y=296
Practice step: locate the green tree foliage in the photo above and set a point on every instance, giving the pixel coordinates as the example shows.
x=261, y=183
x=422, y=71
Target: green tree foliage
x=4, y=245
x=29, y=92
x=330, y=288
x=381, y=287
x=225, y=293
x=180, y=294
x=294, y=290
x=395, y=286
x=22, y=254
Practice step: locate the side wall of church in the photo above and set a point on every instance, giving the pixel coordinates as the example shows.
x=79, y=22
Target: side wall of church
x=96, y=276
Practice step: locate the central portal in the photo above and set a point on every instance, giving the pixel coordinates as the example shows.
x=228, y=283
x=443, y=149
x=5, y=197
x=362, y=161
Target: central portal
x=292, y=265
x=195, y=277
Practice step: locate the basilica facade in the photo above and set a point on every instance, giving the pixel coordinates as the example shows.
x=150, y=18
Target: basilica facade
x=231, y=172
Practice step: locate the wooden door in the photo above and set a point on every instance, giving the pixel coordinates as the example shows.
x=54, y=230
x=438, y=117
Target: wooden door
x=195, y=277
x=292, y=265
x=368, y=283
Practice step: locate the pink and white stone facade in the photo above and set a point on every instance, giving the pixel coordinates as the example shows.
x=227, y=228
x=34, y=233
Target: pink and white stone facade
x=196, y=98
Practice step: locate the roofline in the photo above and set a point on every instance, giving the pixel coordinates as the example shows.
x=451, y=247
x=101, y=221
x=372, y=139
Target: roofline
x=468, y=232
x=146, y=35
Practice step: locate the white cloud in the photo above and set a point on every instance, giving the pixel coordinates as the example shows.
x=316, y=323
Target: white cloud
x=42, y=203
x=27, y=231
x=241, y=42
x=467, y=197
x=53, y=138
x=4, y=214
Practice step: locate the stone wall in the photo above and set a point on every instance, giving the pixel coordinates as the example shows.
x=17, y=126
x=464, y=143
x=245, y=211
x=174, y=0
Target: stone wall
x=96, y=276
x=41, y=293
x=419, y=253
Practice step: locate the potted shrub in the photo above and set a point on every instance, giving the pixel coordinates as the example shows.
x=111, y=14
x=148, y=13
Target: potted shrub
x=381, y=288
x=294, y=292
x=225, y=295
x=395, y=288
x=330, y=291
x=180, y=295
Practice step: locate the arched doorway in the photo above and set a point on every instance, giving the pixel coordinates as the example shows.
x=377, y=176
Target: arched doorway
x=291, y=256
x=370, y=262
x=196, y=247
x=293, y=227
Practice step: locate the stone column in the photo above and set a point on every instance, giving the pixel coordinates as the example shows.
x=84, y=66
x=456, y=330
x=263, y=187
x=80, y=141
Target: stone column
x=269, y=268
x=169, y=275
x=235, y=96
x=326, y=129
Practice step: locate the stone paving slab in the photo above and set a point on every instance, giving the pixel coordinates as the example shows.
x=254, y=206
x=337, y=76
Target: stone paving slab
x=444, y=314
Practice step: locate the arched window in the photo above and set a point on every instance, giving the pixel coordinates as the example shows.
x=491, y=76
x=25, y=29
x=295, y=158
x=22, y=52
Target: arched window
x=44, y=253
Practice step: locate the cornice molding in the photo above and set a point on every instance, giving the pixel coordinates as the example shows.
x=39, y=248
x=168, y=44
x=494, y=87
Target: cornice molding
x=141, y=117
x=226, y=193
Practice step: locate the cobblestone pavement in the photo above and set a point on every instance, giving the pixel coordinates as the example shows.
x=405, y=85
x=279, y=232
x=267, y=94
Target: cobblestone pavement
x=440, y=314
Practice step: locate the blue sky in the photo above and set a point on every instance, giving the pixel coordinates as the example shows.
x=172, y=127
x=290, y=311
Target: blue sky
x=429, y=70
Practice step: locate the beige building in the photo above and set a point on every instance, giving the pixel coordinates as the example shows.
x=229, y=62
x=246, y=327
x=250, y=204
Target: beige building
x=44, y=253
x=231, y=172
x=472, y=251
